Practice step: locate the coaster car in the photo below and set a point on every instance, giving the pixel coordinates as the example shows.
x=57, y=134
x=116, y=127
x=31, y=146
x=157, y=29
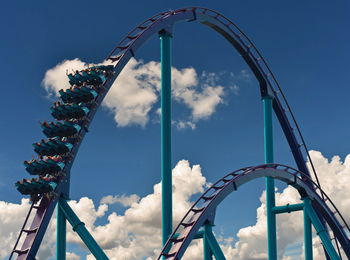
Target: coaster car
x=60, y=129
x=52, y=147
x=49, y=165
x=78, y=94
x=106, y=68
x=36, y=186
x=89, y=76
x=68, y=111
x=98, y=77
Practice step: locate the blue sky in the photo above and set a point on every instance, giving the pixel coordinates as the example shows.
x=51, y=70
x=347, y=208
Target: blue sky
x=306, y=44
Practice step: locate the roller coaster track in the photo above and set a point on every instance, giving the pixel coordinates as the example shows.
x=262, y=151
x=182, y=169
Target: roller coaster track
x=203, y=210
x=119, y=57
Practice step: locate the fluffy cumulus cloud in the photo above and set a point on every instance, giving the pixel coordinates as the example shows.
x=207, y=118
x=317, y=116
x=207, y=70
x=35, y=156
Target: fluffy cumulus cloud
x=124, y=200
x=334, y=175
x=251, y=242
x=72, y=256
x=56, y=77
x=136, y=233
x=184, y=124
x=131, y=235
x=11, y=218
x=135, y=92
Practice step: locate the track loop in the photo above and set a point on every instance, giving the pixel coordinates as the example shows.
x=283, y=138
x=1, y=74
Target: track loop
x=193, y=219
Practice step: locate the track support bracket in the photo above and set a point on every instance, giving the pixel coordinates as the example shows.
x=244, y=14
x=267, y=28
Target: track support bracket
x=81, y=230
x=321, y=230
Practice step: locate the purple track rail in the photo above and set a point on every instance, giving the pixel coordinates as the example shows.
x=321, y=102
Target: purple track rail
x=204, y=208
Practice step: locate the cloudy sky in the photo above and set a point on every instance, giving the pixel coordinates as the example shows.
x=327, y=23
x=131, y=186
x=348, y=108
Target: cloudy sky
x=217, y=118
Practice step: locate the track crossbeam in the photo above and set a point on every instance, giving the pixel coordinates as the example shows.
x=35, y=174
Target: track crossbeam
x=288, y=208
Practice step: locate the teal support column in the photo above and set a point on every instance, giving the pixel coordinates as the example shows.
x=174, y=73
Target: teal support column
x=214, y=245
x=167, y=218
x=321, y=230
x=81, y=230
x=268, y=129
x=60, y=235
x=270, y=183
x=307, y=237
x=207, y=253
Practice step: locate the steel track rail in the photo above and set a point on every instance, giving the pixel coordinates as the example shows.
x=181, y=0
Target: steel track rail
x=203, y=209
x=247, y=50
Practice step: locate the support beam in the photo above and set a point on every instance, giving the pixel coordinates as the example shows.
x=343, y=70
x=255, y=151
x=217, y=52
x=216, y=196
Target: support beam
x=307, y=237
x=207, y=252
x=167, y=219
x=60, y=235
x=321, y=230
x=270, y=183
x=214, y=245
x=81, y=230
x=288, y=208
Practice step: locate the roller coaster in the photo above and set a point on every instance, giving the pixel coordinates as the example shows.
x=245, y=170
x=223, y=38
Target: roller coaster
x=77, y=107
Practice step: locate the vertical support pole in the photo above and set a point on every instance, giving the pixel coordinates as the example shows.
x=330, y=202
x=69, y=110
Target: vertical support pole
x=307, y=237
x=208, y=254
x=61, y=227
x=60, y=235
x=270, y=183
x=165, y=49
x=321, y=230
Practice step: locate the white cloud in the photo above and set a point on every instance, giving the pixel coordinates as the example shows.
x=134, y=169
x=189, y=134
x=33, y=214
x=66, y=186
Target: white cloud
x=235, y=89
x=245, y=75
x=251, y=242
x=132, y=235
x=136, y=233
x=72, y=256
x=11, y=218
x=56, y=78
x=126, y=201
x=184, y=124
x=135, y=92
x=204, y=103
x=334, y=176
x=139, y=228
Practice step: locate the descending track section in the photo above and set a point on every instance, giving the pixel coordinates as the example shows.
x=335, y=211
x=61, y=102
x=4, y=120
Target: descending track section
x=56, y=154
x=79, y=104
x=203, y=210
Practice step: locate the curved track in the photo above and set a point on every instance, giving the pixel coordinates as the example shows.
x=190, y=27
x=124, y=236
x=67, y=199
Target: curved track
x=203, y=210
x=121, y=54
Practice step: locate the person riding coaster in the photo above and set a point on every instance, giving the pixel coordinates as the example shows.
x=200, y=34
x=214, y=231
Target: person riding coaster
x=39, y=185
x=45, y=166
x=53, y=146
x=61, y=129
x=69, y=111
